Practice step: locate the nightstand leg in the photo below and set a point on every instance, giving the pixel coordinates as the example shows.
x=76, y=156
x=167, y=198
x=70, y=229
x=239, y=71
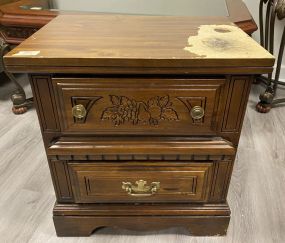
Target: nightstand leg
x=74, y=226
x=213, y=226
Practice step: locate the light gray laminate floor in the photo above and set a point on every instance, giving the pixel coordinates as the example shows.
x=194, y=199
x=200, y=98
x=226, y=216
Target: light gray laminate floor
x=256, y=195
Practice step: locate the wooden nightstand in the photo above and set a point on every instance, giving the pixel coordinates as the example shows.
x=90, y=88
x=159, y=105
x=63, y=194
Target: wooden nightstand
x=140, y=117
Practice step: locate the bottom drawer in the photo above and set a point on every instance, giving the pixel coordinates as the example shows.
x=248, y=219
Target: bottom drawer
x=140, y=182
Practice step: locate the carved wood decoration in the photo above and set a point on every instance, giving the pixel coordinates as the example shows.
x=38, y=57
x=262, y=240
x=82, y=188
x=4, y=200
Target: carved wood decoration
x=87, y=102
x=117, y=107
x=112, y=149
x=191, y=102
x=150, y=112
x=17, y=32
x=140, y=157
x=126, y=110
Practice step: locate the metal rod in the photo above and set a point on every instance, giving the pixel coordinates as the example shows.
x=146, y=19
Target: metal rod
x=271, y=26
x=267, y=26
x=279, y=60
x=278, y=101
x=261, y=28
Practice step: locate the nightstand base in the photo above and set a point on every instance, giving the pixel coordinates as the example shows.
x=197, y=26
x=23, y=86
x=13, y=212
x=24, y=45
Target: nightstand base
x=199, y=220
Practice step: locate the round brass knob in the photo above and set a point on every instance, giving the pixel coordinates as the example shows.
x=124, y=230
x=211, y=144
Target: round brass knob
x=197, y=112
x=79, y=111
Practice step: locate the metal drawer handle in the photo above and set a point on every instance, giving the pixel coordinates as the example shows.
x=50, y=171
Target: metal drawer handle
x=79, y=111
x=141, y=189
x=197, y=112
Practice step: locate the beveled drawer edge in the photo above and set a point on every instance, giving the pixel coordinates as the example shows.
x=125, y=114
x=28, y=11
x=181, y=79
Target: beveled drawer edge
x=116, y=148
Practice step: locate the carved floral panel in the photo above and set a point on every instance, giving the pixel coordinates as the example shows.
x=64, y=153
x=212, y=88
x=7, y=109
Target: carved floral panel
x=151, y=111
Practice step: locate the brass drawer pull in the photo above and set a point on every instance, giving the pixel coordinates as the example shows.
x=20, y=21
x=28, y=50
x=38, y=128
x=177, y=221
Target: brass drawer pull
x=79, y=111
x=197, y=112
x=141, y=189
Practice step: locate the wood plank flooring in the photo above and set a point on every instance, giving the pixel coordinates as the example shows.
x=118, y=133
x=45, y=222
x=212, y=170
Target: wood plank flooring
x=256, y=195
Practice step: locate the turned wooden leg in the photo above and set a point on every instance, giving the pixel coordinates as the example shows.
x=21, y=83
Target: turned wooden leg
x=18, y=97
x=265, y=103
x=263, y=107
x=20, y=103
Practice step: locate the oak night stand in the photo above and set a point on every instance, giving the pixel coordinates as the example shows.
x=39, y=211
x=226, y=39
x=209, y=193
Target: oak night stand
x=140, y=117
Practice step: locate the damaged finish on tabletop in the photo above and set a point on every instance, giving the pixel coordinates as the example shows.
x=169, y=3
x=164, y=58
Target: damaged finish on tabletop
x=133, y=41
x=224, y=41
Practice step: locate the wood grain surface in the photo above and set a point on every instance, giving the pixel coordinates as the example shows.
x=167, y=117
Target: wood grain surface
x=178, y=182
x=151, y=106
x=137, y=41
x=256, y=193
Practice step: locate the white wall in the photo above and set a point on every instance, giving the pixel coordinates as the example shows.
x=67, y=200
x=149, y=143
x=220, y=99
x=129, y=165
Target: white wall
x=253, y=6
x=150, y=7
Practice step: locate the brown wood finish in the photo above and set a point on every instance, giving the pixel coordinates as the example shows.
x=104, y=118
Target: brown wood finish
x=195, y=218
x=133, y=146
x=196, y=225
x=46, y=103
x=97, y=183
x=160, y=106
x=2, y=2
x=235, y=106
x=137, y=70
x=131, y=47
x=61, y=181
x=18, y=24
x=239, y=14
x=91, y=157
x=148, y=209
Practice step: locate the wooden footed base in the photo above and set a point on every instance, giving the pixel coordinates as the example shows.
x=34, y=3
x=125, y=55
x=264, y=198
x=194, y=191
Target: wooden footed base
x=263, y=108
x=207, y=220
x=21, y=104
x=19, y=110
x=85, y=226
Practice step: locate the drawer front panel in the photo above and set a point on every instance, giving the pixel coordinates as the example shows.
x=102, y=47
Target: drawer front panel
x=140, y=182
x=139, y=106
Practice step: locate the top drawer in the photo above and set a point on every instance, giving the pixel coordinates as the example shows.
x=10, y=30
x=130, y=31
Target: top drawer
x=139, y=105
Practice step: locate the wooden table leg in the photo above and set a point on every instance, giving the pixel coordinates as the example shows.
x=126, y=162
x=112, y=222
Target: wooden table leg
x=18, y=97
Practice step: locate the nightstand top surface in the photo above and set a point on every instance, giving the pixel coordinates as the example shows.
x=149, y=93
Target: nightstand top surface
x=138, y=41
